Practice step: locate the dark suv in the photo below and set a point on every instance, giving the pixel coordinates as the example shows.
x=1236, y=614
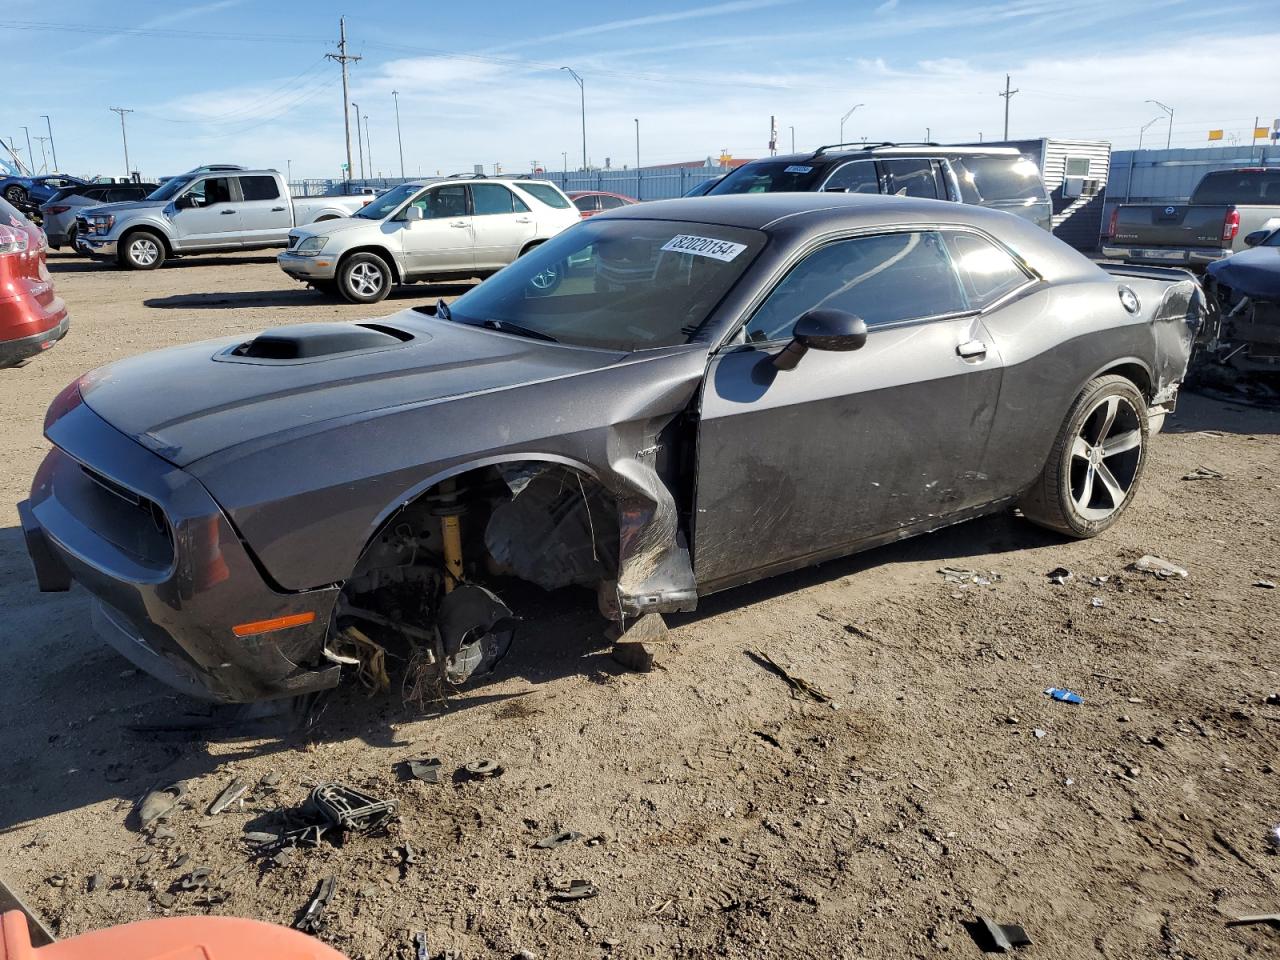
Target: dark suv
x=997, y=177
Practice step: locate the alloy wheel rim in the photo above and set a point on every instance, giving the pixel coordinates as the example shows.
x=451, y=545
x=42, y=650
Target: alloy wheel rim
x=1105, y=454
x=143, y=252
x=366, y=279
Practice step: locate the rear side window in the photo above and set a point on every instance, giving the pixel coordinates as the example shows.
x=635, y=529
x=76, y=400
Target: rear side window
x=856, y=177
x=491, y=198
x=912, y=178
x=547, y=194
x=986, y=271
x=611, y=203
x=1238, y=186
x=998, y=179
x=883, y=279
x=259, y=188
x=97, y=193
x=585, y=204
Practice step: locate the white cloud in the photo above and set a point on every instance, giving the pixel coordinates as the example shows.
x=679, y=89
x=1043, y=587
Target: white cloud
x=887, y=6
x=164, y=20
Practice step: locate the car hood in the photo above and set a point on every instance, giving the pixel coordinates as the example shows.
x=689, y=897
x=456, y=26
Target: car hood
x=224, y=401
x=126, y=205
x=336, y=225
x=1254, y=272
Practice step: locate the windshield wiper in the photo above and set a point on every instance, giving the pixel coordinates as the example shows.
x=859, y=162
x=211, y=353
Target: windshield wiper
x=503, y=326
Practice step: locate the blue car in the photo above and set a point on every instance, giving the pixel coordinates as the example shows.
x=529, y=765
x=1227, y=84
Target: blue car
x=27, y=193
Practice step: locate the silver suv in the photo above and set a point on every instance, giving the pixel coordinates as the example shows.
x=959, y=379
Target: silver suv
x=452, y=228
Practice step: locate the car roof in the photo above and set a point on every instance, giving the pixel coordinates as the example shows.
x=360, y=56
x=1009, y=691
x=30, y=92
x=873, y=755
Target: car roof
x=471, y=178
x=844, y=151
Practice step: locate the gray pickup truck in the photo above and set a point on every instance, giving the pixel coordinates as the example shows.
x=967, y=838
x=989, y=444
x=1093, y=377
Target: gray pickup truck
x=204, y=211
x=1226, y=207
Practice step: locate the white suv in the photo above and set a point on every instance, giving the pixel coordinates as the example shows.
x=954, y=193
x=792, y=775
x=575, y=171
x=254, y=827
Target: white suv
x=451, y=228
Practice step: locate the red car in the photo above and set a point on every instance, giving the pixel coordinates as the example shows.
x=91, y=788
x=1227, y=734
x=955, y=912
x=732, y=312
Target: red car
x=32, y=317
x=591, y=202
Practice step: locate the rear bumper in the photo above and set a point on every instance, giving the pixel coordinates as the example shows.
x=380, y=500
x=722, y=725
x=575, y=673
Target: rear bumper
x=15, y=351
x=167, y=593
x=308, y=268
x=1194, y=257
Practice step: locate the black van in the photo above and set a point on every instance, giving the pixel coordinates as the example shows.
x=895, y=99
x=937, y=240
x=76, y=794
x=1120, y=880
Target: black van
x=997, y=177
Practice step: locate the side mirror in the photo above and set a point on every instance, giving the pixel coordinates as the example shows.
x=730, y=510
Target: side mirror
x=414, y=214
x=185, y=202
x=822, y=329
x=1255, y=238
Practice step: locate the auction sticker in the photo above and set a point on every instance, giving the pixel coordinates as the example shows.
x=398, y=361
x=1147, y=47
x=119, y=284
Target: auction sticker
x=798, y=168
x=704, y=247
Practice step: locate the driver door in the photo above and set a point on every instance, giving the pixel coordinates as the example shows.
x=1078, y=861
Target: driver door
x=443, y=241
x=798, y=465
x=214, y=221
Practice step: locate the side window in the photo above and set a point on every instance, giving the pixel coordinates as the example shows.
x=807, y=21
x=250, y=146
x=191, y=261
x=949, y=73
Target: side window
x=856, y=177
x=211, y=190
x=986, y=271
x=883, y=279
x=259, y=188
x=490, y=198
x=118, y=194
x=610, y=203
x=99, y=193
x=440, y=202
x=587, y=204
x=912, y=178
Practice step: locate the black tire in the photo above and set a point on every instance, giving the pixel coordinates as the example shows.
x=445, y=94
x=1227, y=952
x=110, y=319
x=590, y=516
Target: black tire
x=364, y=278
x=15, y=195
x=140, y=250
x=1084, y=489
x=71, y=238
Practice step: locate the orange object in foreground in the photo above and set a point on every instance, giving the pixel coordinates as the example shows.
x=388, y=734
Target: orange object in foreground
x=170, y=938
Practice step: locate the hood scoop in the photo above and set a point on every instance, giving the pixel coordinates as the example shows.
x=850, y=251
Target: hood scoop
x=309, y=342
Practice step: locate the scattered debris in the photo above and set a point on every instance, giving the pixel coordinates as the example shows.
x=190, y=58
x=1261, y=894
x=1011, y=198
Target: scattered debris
x=313, y=914
x=962, y=575
x=635, y=648
x=1273, y=699
x=180, y=862
x=420, y=949
x=1098, y=581
x=483, y=769
x=767, y=737
x=261, y=837
x=427, y=770
x=144, y=858
x=992, y=937
x=349, y=809
x=197, y=879
x=1059, y=575
x=1265, y=584
x=1040, y=734
x=158, y=803
x=1203, y=473
x=576, y=890
x=1270, y=919
x=164, y=898
x=57, y=880
x=94, y=881
x=1158, y=567
x=1065, y=696
x=232, y=792
x=557, y=840
x=1098, y=602
x=798, y=685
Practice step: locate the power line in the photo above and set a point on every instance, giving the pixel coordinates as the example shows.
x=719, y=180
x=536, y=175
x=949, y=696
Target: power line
x=251, y=111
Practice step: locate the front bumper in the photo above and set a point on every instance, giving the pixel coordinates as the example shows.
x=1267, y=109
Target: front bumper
x=102, y=248
x=169, y=574
x=319, y=267
x=1192, y=257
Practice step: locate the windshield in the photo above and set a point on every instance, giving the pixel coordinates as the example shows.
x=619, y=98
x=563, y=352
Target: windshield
x=389, y=202
x=616, y=284
x=768, y=176
x=170, y=188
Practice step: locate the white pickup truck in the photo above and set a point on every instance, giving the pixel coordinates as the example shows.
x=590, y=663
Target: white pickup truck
x=204, y=211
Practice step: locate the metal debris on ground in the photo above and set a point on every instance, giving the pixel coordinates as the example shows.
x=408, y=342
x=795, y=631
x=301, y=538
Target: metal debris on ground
x=232, y=792
x=1065, y=696
x=427, y=770
x=993, y=937
x=557, y=840
x=1273, y=699
x=1270, y=919
x=1273, y=835
x=349, y=809
x=1098, y=602
x=1157, y=567
x=1203, y=473
x=963, y=575
x=576, y=890
x=799, y=686
x=313, y=914
x=482, y=769
x=1265, y=584
x=157, y=803
x=420, y=949
x=1059, y=575
x=260, y=837
x=197, y=879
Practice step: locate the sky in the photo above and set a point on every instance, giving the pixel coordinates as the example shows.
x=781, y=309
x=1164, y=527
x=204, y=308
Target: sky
x=246, y=81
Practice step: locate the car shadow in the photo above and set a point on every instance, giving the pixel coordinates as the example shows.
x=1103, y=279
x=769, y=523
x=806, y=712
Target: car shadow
x=62, y=262
x=1203, y=412
x=283, y=298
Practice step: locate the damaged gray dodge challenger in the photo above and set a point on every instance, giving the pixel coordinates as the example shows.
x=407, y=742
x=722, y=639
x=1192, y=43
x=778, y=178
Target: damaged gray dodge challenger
x=659, y=403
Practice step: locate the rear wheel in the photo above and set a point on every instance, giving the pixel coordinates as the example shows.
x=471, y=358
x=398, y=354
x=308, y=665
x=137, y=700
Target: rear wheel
x=1096, y=463
x=15, y=195
x=142, y=250
x=364, y=278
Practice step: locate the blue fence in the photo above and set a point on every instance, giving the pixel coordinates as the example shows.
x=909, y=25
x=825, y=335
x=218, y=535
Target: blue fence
x=646, y=183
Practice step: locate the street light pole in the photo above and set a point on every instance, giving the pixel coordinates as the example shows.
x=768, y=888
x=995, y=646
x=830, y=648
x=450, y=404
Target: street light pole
x=1169, y=110
x=31, y=157
x=125, y=137
x=582, y=92
x=52, y=146
x=368, y=143
x=793, y=139
x=399, y=142
x=359, y=139
x=44, y=157
x=846, y=117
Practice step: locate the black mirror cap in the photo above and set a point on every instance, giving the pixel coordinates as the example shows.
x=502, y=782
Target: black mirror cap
x=185, y=202
x=828, y=329
x=1255, y=238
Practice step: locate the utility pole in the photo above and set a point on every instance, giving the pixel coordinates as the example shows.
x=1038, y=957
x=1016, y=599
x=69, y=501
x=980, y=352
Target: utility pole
x=359, y=139
x=128, y=174
x=1008, y=95
x=564, y=161
x=928, y=135
x=343, y=58
x=582, y=92
x=846, y=117
x=44, y=158
x=1168, y=142
x=368, y=143
x=399, y=142
x=31, y=157
x=52, y=146
x=793, y=139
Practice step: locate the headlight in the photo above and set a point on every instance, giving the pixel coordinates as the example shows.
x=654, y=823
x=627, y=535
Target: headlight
x=310, y=246
x=103, y=224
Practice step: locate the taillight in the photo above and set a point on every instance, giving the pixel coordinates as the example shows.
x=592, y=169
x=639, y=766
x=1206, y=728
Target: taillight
x=13, y=241
x=60, y=208
x=1230, y=225
x=1111, y=224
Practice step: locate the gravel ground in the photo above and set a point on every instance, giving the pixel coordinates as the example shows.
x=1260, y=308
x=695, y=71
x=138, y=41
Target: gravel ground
x=721, y=816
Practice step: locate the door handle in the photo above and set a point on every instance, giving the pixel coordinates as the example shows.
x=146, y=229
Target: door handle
x=457, y=223
x=972, y=349
x=225, y=212
x=277, y=209
x=524, y=219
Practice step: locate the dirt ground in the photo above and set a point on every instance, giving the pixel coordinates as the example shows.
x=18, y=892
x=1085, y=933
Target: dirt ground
x=721, y=816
